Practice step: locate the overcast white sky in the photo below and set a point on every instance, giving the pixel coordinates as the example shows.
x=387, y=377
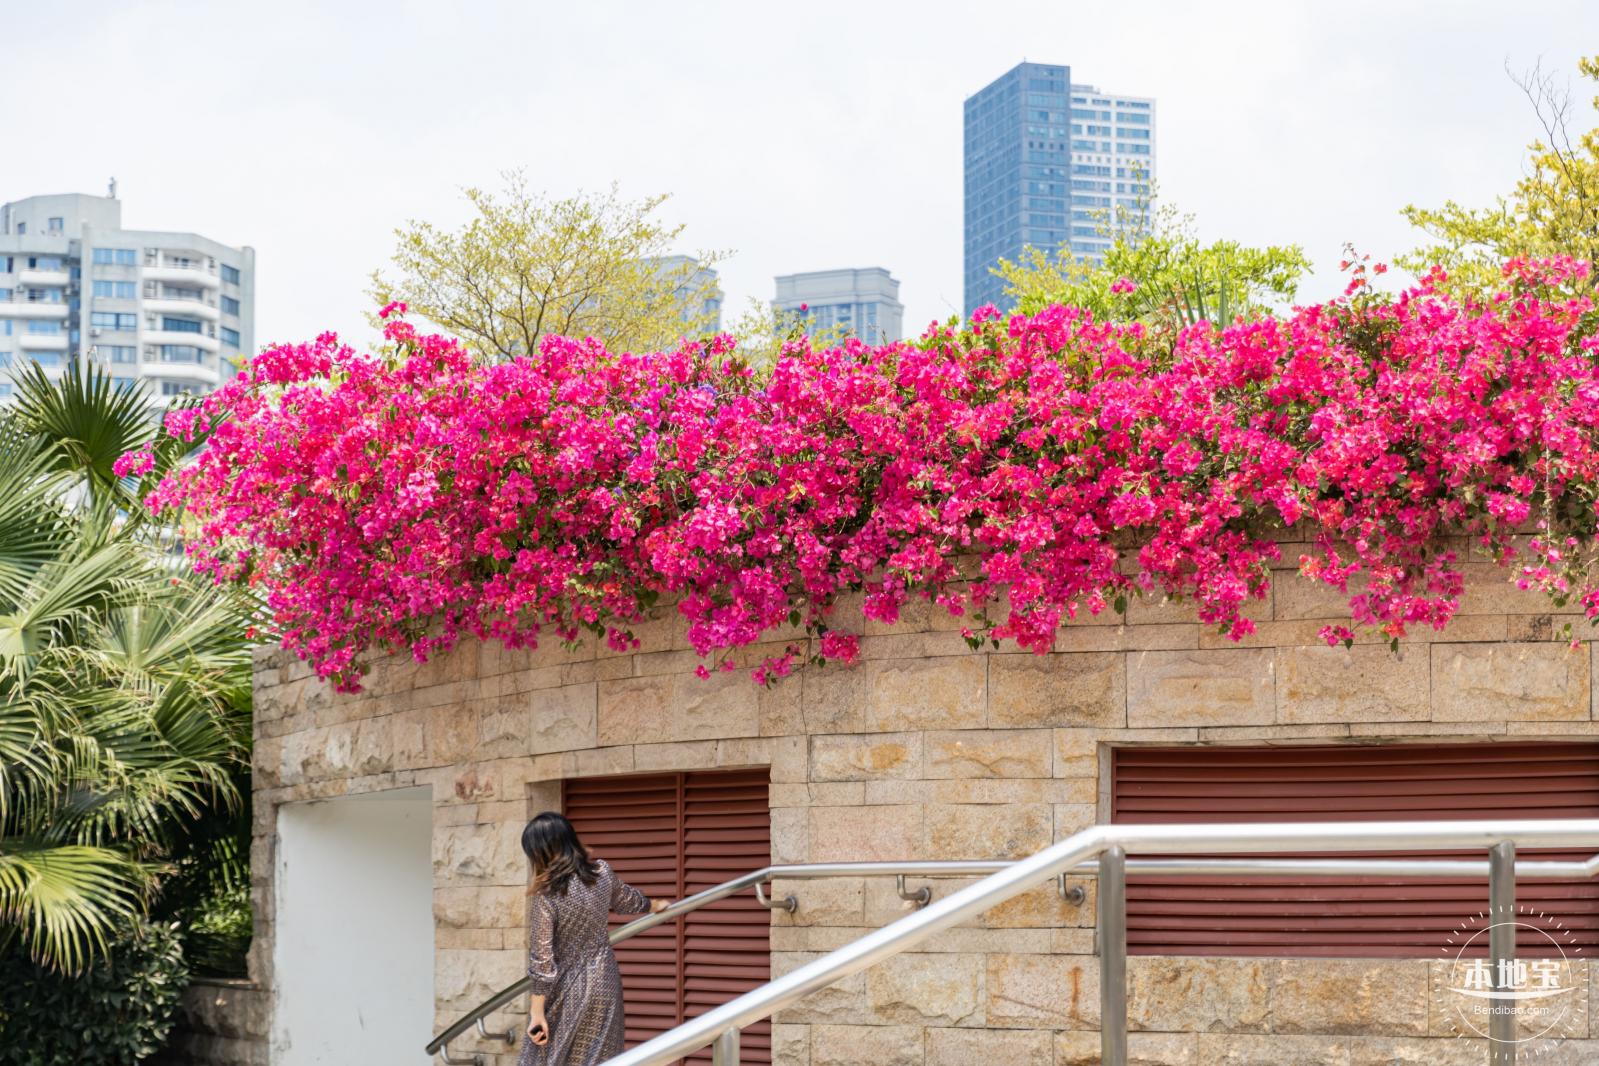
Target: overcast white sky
x=798, y=136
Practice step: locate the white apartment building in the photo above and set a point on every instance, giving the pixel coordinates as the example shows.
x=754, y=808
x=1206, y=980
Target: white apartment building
x=1113, y=164
x=165, y=312
x=864, y=302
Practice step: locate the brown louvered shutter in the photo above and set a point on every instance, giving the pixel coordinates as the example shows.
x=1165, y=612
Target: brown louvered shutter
x=1347, y=917
x=673, y=835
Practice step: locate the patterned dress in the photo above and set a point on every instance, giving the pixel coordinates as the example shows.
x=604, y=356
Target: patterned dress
x=573, y=967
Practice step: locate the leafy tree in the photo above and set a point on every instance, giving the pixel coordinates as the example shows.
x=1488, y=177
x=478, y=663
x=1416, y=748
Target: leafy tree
x=526, y=266
x=1175, y=278
x=123, y=679
x=1553, y=210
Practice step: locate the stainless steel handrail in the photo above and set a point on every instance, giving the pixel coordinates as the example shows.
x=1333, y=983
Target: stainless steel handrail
x=1110, y=843
x=1442, y=868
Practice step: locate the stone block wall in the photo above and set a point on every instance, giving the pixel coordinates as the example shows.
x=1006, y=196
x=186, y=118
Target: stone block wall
x=928, y=749
x=220, y=1022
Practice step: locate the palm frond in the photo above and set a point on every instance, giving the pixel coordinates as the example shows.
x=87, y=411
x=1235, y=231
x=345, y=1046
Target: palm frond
x=89, y=423
x=64, y=898
x=33, y=524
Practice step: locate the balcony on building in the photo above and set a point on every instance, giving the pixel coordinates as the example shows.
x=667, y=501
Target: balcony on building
x=23, y=307
x=182, y=337
x=167, y=304
x=42, y=342
x=204, y=372
x=43, y=279
x=181, y=270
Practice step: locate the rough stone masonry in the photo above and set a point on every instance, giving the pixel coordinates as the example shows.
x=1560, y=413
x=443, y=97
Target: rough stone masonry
x=925, y=749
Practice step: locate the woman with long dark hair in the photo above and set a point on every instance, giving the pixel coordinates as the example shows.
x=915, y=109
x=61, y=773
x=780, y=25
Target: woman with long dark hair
x=575, y=1018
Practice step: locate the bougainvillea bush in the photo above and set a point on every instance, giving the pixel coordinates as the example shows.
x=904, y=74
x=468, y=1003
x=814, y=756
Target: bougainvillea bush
x=405, y=497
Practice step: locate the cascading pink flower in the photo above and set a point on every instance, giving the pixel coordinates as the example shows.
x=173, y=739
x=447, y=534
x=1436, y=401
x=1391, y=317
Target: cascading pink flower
x=1016, y=472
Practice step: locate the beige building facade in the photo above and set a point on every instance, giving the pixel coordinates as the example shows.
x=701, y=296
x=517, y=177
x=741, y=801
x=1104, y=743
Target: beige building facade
x=926, y=749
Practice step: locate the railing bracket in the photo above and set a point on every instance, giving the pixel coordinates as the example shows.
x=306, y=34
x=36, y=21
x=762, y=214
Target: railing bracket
x=471, y=1060
x=788, y=903
x=1076, y=895
x=921, y=897
x=509, y=1036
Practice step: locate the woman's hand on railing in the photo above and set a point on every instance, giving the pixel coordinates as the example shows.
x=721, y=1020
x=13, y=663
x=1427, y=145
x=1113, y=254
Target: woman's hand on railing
x=659, y=905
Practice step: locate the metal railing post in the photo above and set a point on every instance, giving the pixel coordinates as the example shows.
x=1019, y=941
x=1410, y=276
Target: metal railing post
x=1502, y=951
x=1113, y=957
x=725, y=1052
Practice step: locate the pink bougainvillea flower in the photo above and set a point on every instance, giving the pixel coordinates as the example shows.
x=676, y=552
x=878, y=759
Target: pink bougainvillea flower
x=1016, y=473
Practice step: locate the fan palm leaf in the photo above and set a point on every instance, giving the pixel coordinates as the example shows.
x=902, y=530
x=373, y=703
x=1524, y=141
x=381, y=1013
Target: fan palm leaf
x=64, y=900
x=120, y=680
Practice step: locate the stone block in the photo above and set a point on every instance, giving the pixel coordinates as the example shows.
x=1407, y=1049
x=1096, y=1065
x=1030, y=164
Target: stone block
x=1011, y=790
x=678, y=755
x=653, y=710
x=1078, y=1048
x=880, y=1045
x=1042, y=992
x=994, y=1047
x=833, y=699
x=1365, y=683
x=927, y=989
x=1295, y=597
x=790, y=835
x=1392, y=1051
x=1355, y=997
x=842, y=834
x=916, y=646
x=597, y=762
x=562, y=719
x=943, y=692
x=1081, y=638
x=853, y=794
x=1038, y=908
x=790, y=759
x=1200, y=688
x=1509, y=682
x=489, y=907
x=464, y=978
x=987, y=831
x=964, y=753
x=840, y=1003
x=782, y=705
x=829, y=901
x=1076, y=753
x=1066, y=689
x=450, y=733
x=1074, y=818
x=745, y=751
x=791, y=1045
x=861, y=757
x=1281, y=734
x=1245, y=1050
x=1199, y=995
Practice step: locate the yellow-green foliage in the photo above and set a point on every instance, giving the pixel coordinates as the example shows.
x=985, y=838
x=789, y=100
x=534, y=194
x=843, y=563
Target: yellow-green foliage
x=525, y=266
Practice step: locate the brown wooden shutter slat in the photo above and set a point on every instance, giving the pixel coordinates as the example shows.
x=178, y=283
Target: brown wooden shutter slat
x=673, y=835
x=1347, y=917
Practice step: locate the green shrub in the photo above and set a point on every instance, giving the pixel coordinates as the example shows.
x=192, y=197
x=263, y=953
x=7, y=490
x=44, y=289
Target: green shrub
x=115, y=1013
